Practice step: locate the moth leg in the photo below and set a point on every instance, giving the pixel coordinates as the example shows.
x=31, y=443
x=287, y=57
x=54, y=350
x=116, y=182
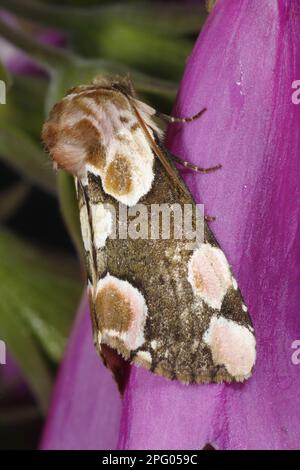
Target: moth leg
x=196, y=168
x=209, y=218
x=172, y=119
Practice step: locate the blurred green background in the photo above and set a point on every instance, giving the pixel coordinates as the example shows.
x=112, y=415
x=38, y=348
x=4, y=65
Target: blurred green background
x=45, y=48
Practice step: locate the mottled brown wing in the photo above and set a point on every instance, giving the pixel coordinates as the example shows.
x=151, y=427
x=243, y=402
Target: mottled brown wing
x=174, y=311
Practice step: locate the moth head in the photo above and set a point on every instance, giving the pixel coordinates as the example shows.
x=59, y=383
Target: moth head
x=117, y=82
x=76, y=131
x=70, y=137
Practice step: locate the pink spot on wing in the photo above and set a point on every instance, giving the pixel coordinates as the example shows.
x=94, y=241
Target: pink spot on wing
x=209, y=274
x=123, y=311
x=232, y=345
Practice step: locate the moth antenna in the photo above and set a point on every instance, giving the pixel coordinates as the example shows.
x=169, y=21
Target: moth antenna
x=192, y=167
x=209, y=218
x=173, y=119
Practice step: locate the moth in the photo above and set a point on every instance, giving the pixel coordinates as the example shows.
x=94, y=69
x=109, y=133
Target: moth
x=175, y=312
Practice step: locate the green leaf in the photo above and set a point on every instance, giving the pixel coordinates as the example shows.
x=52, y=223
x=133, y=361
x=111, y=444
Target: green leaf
x=20, y=423
x=71, y=3
x=13, y=416
x=19, y=151
x=12, y=198
x=136, y=47
x=25, y=105
x=169, y=18
x=69, y=70
x=38, y=298
x=45, y=289
x=210, y=4
x=24, y=348
x=5, y=76
x=117, y=32
x=20, y=130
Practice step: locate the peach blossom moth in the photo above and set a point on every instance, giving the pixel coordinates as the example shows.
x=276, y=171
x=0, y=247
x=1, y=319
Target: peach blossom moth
x=175, y=312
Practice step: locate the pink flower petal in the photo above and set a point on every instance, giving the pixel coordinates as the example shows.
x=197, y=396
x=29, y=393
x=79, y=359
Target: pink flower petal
x=86, y=405
x=241, y=69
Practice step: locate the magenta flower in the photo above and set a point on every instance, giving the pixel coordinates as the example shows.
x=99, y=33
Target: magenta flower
x=86, y=405
x=242, y=69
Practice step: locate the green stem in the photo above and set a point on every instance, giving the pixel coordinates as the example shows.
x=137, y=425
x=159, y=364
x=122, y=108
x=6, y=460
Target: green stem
x=172, y=18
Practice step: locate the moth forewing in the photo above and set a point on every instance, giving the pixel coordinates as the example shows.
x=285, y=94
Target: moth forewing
x=95, y=266
x=176, y=312
x=156, y=148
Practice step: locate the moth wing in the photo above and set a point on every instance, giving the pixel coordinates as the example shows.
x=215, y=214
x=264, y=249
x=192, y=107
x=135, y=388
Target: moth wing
x=161, y=305
x=94, y=233
x=126, y=154
x=174, y=311
x=229, y=336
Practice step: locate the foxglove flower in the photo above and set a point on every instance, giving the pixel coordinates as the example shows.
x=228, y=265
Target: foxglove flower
x=86, y=405
x=241, y=69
